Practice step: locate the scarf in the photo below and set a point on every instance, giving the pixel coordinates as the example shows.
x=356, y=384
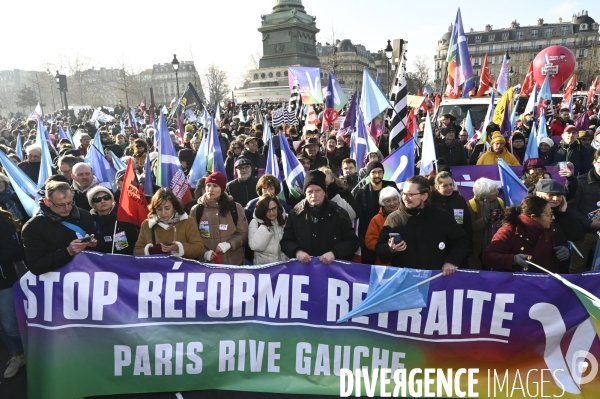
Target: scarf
x=167, y=224
x=77, y=187
x=9, y=204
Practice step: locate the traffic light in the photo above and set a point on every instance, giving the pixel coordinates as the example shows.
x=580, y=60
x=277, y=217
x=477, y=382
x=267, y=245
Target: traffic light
x=62, y=83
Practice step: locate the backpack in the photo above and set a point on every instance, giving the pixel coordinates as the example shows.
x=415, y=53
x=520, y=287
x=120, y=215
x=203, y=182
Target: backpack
x=232, y=210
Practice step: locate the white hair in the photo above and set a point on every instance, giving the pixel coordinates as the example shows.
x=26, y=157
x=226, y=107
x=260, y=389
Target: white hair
x=33, y=147
x=483, y=187
x=387, y=193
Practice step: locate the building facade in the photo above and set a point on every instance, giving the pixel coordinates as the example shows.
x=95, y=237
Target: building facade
x=347, y=62
x=523, y=43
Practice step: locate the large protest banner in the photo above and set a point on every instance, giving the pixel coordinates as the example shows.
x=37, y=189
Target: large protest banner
x=107, y=324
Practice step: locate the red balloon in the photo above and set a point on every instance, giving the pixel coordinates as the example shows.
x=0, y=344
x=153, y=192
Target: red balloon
x=550, y=59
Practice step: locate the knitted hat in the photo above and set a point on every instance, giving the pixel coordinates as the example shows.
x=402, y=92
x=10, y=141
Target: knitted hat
x=547, y=140
x=189, y=128
x=97, y=189
x=374, y=164
x=518, y=136
x=533, y=163
x=315, y=177
x=217, y=178
x=187, y=155
x=496, y=137
x=120, y=174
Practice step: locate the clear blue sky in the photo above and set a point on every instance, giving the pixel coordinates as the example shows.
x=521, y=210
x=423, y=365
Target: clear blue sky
x=225, y=32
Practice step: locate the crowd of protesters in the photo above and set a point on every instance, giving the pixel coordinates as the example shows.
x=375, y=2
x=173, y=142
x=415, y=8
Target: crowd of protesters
x=245, y=216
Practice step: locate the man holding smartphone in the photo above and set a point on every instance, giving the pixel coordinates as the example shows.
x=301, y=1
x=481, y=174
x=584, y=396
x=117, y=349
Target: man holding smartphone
x=420, y=235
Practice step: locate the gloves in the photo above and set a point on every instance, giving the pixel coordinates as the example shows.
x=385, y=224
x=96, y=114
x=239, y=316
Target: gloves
x=225, y=246
x=208, y=255
x=332, y=190
x=521, y=260
x=562, y=253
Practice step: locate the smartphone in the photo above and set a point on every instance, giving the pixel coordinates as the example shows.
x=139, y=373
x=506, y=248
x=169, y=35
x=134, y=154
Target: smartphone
x=562, y=165
x=167, y=243
x=87, y=238
x=397, y=237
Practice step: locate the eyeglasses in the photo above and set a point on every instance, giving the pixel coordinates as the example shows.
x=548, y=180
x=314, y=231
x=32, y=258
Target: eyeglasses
x=550, y=215
x=274, y=209
x=409, y=195
x=390, y=201
x=97, y=200
x=67, y=205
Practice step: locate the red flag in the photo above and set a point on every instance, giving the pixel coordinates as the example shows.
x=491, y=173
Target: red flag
x=437, y=104
x=133, y=207
x=569, y=92
x=527, y=86
x=592, y=91
x=451, y=91
x=486, y=78
x=142, y=105
x=419, y=93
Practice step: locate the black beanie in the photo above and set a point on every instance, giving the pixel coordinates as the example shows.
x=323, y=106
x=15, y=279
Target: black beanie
x=374, y=164
x=315, y=177
x=187, y=155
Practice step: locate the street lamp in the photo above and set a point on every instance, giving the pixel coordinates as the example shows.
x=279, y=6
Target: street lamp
x=510, y=74
x=57, y=78
x=175, y=64
x=388, y=55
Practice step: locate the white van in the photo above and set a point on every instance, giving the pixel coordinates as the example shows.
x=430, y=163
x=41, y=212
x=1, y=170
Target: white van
x=459, y=107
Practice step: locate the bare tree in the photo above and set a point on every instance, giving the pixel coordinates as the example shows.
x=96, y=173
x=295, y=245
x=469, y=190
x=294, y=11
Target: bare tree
x=216, y=84
x=27, y=98
x=419, y=75
x=253, y=63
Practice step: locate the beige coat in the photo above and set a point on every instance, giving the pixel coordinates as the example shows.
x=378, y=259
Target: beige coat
x=215, y=229
x=185, y=234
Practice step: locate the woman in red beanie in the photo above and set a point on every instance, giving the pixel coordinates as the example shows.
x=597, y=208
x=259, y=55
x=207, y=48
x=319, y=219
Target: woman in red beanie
x=222, y=223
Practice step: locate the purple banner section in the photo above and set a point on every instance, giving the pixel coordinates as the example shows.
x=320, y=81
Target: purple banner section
x=465, y=176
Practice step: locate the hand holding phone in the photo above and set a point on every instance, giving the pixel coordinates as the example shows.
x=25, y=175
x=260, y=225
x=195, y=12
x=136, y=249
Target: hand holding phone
x=87, y=238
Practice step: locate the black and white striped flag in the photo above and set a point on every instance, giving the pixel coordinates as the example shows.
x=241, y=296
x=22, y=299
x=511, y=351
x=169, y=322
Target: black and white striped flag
x=278, y=117
x=290, y=118
x=398, y=116
x=295, y=104
x=258, y=116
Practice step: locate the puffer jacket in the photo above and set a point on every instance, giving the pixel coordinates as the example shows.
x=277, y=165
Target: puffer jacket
x=216, y=228
x=184, y=234
x=264, y=241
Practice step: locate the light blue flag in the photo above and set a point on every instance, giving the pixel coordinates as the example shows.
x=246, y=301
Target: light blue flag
x=19, y=148
x=543, y=129
x=272, y=166
x=98, y=142
x=544, y=100
x=215, y=156
x=392, y=289
x=358, y=150
x=532, y=150
x=514, y=189
x=198, y=169
x=148, y=186
x=62, y=134
x=45, y=165
x=428, y=156
x=77, y=139
x=241, y=116
x=292, y=169
x=502, y=81
x=21, y=183
x=117, y=163
x=164, y=110
x=469, y=125
x=217, y=114
x=401, y=163
x=70, y=136
x=102, y=169
x=122, y=124
x=372, y=99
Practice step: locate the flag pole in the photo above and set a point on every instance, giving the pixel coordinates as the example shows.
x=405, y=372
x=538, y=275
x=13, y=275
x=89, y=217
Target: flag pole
x=113, y=237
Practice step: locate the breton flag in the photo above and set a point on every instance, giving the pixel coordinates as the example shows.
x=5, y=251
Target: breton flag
x=278, y=117
x=399, y=114
x=459, y=60
x=295, y=104
x=133, y=207
x=486, y=78
x=169, y=173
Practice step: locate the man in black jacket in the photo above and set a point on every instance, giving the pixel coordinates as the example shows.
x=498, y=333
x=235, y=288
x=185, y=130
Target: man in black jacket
x=243, y=189
x=430, y=237
x=317, y=226
x=368, y=201
x=53, y=236
x=570, y=150
x=251, y=153
x=585, y=203
x=311, y=149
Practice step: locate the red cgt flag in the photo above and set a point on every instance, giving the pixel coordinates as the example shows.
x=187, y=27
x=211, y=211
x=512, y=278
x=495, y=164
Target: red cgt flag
x=527, y=86
x=133, y=207
x=592, y=92
x=486, y=78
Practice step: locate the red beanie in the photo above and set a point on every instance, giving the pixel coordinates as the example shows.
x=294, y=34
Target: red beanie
x=217, y=178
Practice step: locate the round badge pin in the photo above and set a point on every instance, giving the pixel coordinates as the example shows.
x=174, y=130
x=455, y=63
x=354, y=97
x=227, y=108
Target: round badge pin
x=442, y=245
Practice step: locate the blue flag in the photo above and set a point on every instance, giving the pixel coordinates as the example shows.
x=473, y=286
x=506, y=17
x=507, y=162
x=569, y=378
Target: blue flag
x=596, y=259
x=532, y=150
x=21, y=183
x=502, y=81
x=169, y=173
x=215, y=156
x=45, y=164
x=392, y=289
x=63, y=135
x=19, y=148
x=198, y=169
x=272, y=165
x=103, y=170
x=372, y=99
x=98, y=142
x=514, y=190
x=401, y=163
x=428, y=156
x=292, y=169
x=358, y=149
x=148, y=186
x=117, y=163
x=350, y=120
x=469, y=125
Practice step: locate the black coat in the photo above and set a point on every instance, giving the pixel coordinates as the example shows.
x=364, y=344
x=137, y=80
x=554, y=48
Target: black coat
x=11, y=251
x=106, y=227
x=31, y=169
x=331, y=231
x=258, y=161
x=449, y=204
x=454, y=156
x=575, y=153
x=586, y=198
x=242, y=191
x=432, y=238
x=46, y=239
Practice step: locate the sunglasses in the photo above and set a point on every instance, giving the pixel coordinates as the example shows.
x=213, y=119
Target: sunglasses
x=106, y=197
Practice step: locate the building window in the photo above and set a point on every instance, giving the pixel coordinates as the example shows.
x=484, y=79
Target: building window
x=582, y=53
x=255, y=76
x=534, y=33
x=491, y=37
x=563, y=42
x=278, y=74
x=532, y=44
x=505, y=35
x=270, y=74
x=476, y=72
x=478, y=39
x=520, y=35
x=548, y=32
x=565, y=30
x=517, y=46
x=583, y=27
